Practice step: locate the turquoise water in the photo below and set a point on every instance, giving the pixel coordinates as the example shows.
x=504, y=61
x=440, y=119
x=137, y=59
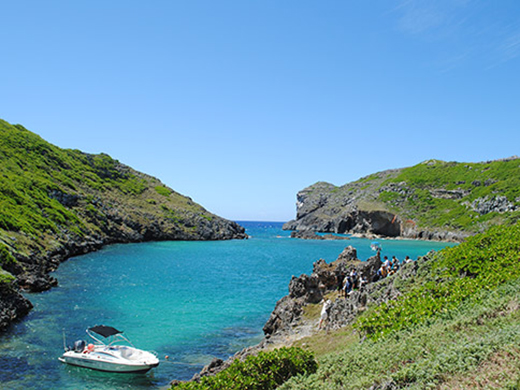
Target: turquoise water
x=191, y=301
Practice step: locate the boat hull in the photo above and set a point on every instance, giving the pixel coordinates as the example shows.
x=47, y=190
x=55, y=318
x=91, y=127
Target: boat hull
x=97, y=363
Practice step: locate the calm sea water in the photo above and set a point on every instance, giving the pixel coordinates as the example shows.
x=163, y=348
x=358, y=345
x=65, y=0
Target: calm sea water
x=191, y=301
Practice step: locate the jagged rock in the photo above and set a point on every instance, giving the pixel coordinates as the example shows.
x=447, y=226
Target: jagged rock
x=306, y=288
x=311, y=235
x=305, y=235
x=369, y=268
x=13, y=305
x=215, y=366
x=37, y=282
x=498, y=204
x=287, y=310
x=441, y=193
x=348, y=254
x=328, y=275
x=67, y=200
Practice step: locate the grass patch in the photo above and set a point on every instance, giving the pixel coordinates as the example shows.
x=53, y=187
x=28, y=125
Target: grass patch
x=6, y=277
x=162, y=190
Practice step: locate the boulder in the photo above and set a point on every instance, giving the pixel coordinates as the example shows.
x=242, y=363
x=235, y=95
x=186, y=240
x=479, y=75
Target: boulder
x=13, y=305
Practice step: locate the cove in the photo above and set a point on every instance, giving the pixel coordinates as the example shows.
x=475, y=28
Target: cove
x=191, y=301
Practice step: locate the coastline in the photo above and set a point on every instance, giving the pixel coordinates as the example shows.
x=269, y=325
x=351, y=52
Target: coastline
x=296, y=315
x=35, y=277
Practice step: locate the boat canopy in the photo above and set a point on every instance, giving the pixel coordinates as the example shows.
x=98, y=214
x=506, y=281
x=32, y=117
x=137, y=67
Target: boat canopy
x=105, y=331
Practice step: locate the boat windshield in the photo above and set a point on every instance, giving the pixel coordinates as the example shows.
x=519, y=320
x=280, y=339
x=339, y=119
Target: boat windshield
x=112, y=335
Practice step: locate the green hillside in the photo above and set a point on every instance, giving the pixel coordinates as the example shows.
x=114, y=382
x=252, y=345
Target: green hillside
x=55, y=203
x=456, y=325
x=430, y=196
x=454, y=195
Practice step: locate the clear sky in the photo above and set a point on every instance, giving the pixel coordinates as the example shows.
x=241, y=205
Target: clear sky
x=240, y=104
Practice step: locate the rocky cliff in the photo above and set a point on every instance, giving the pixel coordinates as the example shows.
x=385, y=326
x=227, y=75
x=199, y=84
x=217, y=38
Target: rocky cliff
x=57, y=203
x=433, y=200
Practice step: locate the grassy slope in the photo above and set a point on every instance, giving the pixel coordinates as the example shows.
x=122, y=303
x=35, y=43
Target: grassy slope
x=457, y=325
x=49, y=195
x=481, y=180
x=418, y=203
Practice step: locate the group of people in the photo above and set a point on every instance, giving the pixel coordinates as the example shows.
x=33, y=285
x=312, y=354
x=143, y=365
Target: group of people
x=390, y=267
x=353, y=280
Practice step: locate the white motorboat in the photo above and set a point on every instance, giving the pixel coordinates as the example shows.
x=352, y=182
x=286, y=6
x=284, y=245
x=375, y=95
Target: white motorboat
x=115, y=354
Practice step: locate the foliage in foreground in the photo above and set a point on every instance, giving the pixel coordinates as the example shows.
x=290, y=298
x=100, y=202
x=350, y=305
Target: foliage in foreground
x=483, y=262
x=477, y=346
x=266, y=371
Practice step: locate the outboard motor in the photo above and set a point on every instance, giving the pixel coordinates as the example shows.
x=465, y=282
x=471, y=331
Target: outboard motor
x=79, y=345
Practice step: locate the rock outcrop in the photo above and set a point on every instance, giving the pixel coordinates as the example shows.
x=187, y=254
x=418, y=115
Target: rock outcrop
x=413, y=202
x=13, y=305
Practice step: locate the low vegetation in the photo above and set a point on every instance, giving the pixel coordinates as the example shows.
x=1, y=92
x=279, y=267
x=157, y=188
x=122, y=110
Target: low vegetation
x=483, y=262
x=462, y=187
x=266, y=371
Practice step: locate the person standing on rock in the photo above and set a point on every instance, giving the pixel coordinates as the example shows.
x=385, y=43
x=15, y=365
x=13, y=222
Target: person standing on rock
x=324, y=312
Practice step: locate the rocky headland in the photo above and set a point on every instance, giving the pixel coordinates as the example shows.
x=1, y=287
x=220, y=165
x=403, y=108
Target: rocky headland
x=57, y=203
x=434, y=200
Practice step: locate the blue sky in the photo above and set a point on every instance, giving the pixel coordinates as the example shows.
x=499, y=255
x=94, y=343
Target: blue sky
x=241, y=104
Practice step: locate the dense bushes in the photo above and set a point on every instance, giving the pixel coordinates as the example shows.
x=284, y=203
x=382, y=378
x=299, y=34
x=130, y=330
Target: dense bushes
x=265, y=371
x=482, y=262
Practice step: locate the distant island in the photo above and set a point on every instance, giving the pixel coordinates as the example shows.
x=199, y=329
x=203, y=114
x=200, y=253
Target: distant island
x=433, y=200
x=57, y=203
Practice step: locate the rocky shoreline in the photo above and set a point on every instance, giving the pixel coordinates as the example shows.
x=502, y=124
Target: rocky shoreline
x=59, y=203
x=371, y=225
x=288, y=322
x=311, y=235
x=32, y=271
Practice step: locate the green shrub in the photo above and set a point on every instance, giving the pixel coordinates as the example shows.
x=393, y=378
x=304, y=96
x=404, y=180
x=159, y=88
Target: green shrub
x=6, y=277
x=267, y=370
x=161, y=190
x=5, y=256
x=483, y=262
